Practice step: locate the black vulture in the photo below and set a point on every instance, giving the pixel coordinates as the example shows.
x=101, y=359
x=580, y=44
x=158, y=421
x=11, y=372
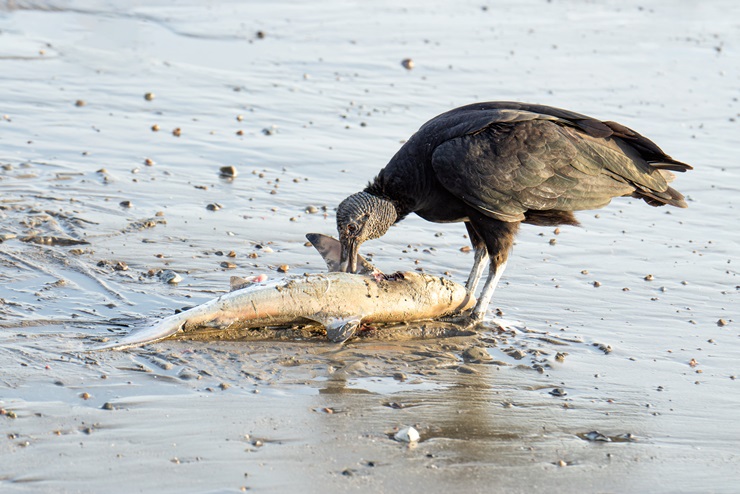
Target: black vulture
x=498, y=164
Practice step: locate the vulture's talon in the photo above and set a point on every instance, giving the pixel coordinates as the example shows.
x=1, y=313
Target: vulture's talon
x=466, y=320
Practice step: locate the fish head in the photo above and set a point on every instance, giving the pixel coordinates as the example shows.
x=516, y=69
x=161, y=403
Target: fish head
x=331, y=250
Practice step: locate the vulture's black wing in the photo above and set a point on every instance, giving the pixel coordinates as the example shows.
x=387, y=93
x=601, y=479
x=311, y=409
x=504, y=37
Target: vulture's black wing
x=505, y=161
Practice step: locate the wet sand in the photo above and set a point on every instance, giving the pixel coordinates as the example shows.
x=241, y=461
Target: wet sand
x=308, y=102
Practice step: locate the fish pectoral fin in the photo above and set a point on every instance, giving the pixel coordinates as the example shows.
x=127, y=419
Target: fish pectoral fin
x=340, y=330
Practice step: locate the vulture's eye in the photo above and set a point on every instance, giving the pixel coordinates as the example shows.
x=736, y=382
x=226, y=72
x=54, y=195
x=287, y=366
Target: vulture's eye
x=351, y=228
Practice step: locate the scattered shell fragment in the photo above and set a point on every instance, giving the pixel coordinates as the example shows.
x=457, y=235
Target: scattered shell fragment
x=407, y=435
x=148, y=96
x=603, y=347
x=626, y=437
x=312, y=209
x=80, y=102
x=283, y=268
x=228, y=171
x=558, y=392
x=228, y=265
x=214, y=206
x=597, y=284
x=465, y=248
x=597, y=436
x=407, y=63
x=169, y=276
x=649, y=277
x=722, y=322
x=149, y=162
x=155, y=128
x=177, y=132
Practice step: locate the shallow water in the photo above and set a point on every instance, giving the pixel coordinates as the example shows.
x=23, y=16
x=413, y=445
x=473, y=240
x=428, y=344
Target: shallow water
x=324, y=102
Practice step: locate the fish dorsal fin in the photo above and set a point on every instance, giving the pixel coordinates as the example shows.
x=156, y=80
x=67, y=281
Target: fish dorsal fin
x=331, y=250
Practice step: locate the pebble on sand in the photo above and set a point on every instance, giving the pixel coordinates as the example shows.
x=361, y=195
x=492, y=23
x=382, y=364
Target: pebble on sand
x=407, y=63
x=148, y=96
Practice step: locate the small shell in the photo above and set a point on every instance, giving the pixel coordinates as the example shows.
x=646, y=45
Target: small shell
x=407, y=435
x=597, y=436
x=228, y=171
x=169, y=276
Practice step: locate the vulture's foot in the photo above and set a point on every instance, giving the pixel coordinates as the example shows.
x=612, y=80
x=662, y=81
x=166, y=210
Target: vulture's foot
x=466, y=319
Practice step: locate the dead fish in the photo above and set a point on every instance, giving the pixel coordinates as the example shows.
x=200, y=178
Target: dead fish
x=341, y=302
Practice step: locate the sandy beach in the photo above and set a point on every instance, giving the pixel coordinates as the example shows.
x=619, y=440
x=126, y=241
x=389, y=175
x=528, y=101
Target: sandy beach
x=610, y=356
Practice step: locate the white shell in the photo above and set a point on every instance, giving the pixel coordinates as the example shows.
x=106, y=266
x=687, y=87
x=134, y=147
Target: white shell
x=407, y=435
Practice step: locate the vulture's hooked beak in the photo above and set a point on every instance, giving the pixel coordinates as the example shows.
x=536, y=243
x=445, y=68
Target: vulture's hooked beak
x=348, y=258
